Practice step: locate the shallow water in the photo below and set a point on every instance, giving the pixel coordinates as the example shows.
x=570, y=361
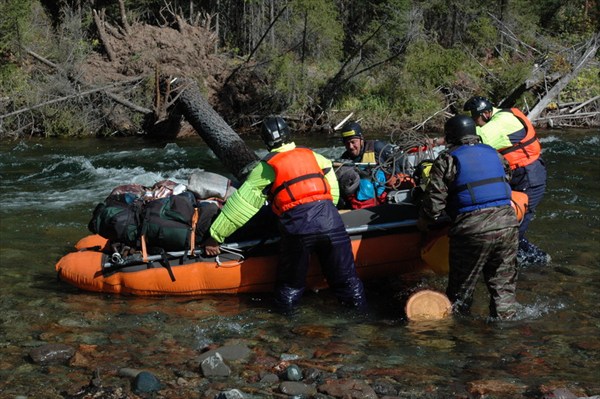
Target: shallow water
x=49, y=189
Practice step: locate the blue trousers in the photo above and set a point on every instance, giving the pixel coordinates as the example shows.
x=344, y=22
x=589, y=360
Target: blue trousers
x=535, y=195
x=334, y=251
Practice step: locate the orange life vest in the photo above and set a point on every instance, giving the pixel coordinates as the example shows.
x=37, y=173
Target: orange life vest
x=298, y=179
x=525, y=151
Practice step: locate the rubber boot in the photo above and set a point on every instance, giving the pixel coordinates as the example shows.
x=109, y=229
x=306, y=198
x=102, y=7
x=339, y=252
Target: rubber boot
x=530, y=254
x=287, y=299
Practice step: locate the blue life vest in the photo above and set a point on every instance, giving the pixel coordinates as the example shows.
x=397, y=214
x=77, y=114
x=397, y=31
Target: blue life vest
x=480, y=179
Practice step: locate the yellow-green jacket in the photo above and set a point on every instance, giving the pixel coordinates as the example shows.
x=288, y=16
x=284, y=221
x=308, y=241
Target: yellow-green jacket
x=252, y=195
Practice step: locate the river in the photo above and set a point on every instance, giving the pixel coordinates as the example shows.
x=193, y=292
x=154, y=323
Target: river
x=50, y=187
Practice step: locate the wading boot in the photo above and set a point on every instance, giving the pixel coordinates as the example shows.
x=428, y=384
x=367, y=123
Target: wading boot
x=529, y=254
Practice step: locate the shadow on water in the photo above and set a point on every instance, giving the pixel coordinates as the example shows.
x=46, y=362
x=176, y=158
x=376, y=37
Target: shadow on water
x=53, y=187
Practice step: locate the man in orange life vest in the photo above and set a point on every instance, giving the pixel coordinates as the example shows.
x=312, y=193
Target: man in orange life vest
x=302, y=189
x=511, y=133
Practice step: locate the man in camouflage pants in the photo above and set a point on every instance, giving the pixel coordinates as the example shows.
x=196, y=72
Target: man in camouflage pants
x=468, y=182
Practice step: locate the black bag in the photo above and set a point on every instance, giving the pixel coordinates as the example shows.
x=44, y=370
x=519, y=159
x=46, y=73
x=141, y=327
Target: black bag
x=118, y=219
x=167, y=222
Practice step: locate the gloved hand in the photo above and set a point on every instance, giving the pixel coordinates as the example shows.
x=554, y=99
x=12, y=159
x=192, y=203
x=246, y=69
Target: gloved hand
x=211, y=247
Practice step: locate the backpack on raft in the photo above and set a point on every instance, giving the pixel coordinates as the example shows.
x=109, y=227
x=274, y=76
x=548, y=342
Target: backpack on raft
x=118, y=217
x=169, y=223
x=154, y=218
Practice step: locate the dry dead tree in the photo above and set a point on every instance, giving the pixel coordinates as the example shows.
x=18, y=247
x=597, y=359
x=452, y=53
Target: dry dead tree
x=591, y=49
x=102, y=35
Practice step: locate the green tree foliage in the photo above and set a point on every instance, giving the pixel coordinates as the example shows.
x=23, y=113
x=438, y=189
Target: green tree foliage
x=303, y=47
x=312, y=29
x=14, y=21
x=26, y=84
x=568, y=20
x=387, y=60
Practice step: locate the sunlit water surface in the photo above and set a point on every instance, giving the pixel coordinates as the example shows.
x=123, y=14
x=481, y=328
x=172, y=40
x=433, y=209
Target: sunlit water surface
x=49, y=189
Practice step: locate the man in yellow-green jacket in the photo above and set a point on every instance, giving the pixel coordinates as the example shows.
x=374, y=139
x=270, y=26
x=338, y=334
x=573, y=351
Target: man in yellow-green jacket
x=511, y=133
x=302, y=190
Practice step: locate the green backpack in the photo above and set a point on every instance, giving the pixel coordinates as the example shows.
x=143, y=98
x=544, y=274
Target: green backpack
x=166, y=223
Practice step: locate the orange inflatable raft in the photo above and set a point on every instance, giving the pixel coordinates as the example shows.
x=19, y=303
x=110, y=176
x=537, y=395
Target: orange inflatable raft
x=385, y=242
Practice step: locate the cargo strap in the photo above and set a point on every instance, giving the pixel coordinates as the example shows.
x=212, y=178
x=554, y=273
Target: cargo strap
x=164, y=260
x=195, y=218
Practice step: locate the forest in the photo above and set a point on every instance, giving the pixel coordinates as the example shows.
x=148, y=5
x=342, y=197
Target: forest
x=73, y=68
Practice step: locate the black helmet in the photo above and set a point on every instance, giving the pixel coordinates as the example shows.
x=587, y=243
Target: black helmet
x=477, y=105
x=351, y=130
x=275, y=131
x=458, y=127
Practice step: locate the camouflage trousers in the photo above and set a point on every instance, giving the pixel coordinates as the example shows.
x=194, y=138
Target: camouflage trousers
x=495, y=254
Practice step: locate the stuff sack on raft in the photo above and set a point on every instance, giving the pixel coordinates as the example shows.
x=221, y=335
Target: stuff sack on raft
x=165, y=217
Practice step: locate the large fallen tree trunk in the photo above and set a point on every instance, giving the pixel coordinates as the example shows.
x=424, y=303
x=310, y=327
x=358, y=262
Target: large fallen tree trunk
x=227, y=145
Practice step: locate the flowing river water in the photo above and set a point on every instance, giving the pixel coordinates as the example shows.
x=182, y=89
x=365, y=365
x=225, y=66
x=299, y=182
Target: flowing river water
x=50, y=187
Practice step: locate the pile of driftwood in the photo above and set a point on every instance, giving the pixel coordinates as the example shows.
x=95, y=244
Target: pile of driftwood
x=572, y=114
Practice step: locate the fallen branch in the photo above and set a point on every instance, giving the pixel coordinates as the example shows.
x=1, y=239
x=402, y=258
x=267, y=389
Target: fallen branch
x=134, y=107
x=65, y=98
x=575, y=109
x=123, y=12
x=580, y=115
x=339, y=125
x=422, y=124
x=112, y=96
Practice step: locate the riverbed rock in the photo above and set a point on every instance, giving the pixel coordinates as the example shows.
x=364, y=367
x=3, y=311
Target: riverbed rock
x=348, y=388
x=312, y=374
x=228, y=352
x=268, y=378
x=495, y=387
x=297, y=389
x=293, y=373
x=213, y=366
x=560, y=393
x=384, y=388
x=79, y=360
x=231, y=394
x=146, y=382
x=128, y=372
x=52, y=354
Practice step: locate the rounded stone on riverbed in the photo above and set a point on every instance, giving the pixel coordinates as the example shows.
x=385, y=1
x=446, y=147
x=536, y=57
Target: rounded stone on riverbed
x=52, y=354
x=269, y=378
x=297, y=389
x=228, y=352
x=213, y=366
x=293, y=373
x=146, y=382
x=231, y=394
x=348, y=388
